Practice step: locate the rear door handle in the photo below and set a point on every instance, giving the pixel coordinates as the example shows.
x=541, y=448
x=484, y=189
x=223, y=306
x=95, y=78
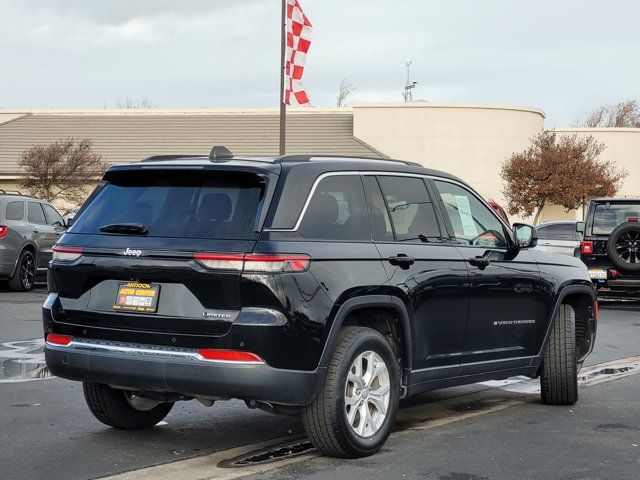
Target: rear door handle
x=401, y=260
x=480, y=262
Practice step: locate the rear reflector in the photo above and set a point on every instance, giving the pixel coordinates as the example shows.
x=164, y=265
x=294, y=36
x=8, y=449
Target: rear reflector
x=3, y=230
x=66, y=254
x=254, y=262
x=57, y=339
x=632, y=219
x=586, y=247
x=229, y=356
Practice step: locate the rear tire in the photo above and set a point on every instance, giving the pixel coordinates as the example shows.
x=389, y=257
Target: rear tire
x=25, y=274
x=333, y=420
x=559, y=375
x=115, y=407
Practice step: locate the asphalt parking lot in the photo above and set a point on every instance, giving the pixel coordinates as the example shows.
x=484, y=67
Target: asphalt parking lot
x=497, y=430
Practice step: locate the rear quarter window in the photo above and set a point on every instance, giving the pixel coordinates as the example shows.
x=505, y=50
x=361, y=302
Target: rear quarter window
x=337, y=211
x=14, y=211
x=182, y=204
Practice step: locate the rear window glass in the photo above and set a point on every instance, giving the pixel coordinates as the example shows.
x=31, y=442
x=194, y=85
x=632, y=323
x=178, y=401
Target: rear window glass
x=15, y=211
x=178, y=204
x=606, y=219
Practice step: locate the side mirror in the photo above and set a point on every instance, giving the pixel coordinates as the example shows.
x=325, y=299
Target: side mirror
x=525, y=235
x=580, y=227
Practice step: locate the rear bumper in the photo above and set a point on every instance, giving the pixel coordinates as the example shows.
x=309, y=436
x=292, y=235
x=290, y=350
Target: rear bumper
x=127, y=366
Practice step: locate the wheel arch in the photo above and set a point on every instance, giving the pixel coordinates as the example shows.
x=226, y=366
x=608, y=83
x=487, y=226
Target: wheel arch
x=29, y=246
x=351, y=307
x=583, y=300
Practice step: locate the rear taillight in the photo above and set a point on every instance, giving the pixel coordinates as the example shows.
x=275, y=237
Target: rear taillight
x=586, y=247
x=254, y=262
x=66, y=254
x=220, y=261
x=57, y=339
x=276, y=263
x=3, y=230
x=229, y=356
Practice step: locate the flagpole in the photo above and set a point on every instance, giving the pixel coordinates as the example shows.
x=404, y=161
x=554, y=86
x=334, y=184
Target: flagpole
x=283, y=107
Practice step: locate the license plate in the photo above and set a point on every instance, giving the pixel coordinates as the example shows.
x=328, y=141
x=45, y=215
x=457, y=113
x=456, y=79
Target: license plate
x=137, y=297
x=598, y=274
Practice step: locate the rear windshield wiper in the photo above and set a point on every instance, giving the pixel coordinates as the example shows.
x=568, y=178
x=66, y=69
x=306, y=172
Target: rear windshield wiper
x=132, y=228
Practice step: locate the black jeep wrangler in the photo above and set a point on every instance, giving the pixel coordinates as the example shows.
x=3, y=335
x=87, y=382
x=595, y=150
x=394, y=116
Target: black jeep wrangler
x=611, y=246
x=320, y=286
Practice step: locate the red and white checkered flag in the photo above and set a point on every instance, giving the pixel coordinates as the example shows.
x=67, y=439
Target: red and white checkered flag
x=299, y=32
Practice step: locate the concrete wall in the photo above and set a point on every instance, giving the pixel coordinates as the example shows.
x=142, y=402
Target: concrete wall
x=470, y=141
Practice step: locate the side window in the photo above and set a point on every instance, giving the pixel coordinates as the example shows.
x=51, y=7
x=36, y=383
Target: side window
x=15, y=211
x=473, y=223
x=337, y=210
x=381, y=229
x=543, y=233
x=35, y=214
x=53, y=217
x=410, y=208
x=560, y=232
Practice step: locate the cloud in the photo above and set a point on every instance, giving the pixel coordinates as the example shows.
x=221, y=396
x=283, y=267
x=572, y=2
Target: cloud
x=565, y=57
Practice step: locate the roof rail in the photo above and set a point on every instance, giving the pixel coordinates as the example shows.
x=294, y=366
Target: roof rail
x=308, y=158
x=220, y=152
x=165, y=158
x=10, y=192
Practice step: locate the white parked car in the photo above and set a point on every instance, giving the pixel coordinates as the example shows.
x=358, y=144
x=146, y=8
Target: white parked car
x=562, y=237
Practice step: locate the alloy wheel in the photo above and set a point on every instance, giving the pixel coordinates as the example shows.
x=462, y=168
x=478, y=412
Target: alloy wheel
x=367, y=394
x=27, y=271
x=138, y=403
x=628, y=247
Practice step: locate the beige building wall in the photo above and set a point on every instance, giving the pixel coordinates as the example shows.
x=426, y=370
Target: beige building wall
x=469, y=141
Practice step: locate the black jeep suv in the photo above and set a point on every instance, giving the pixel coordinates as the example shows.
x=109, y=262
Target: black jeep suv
x=327, y=287
x=611, y=246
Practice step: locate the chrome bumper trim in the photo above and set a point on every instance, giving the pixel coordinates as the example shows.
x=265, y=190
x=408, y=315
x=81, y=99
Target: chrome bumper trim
x=156, y=351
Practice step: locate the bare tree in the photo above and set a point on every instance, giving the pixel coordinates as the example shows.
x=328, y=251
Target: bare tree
x=130, y=103
x=61, y=170
x=562, y=170
x=344, y=90
x=623, y=114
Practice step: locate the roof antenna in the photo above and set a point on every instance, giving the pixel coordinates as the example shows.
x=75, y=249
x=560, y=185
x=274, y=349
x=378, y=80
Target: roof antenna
x=219, y=152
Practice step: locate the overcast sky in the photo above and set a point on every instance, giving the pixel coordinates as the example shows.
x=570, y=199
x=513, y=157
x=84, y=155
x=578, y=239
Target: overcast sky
x=563, y=56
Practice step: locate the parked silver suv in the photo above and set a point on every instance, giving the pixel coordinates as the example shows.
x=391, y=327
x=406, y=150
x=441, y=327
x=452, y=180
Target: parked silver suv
x=29, y=228
x=562, y=237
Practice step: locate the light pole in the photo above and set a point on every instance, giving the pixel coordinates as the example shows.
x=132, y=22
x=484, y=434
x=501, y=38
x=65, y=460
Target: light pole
x=407, y=94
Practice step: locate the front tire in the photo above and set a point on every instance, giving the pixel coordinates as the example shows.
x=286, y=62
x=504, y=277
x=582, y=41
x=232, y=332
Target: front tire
x=559, y=375
x=354, y=411
x=122, y=409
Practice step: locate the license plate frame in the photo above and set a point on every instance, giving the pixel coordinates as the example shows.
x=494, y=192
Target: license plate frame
x=137, y=297
x=598, y=274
